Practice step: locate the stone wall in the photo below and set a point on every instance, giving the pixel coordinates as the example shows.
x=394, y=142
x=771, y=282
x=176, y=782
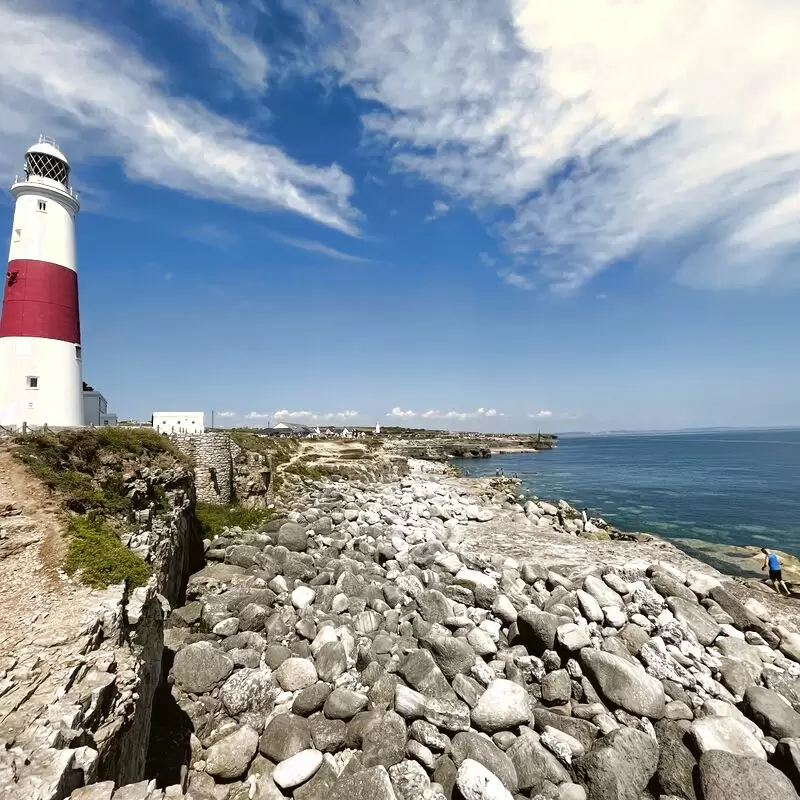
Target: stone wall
x=212, y=455
x=224, y=473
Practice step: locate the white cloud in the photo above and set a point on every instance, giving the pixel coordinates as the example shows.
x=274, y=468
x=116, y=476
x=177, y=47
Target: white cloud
x=401, y=413
x=666, y=131
x=435, y=413
x=540, y=414
x=319, y=416
x=229, y=30
x=100, y=99
x=225, y=414
x=257, y=415
x=440, y=208
x=316, y=247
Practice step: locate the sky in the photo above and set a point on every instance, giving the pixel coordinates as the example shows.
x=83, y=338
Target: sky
x=502, y=215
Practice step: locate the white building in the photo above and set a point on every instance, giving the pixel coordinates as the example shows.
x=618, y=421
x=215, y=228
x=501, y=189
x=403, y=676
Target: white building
x=95, y=409
x=40, y=341
x=179, y=421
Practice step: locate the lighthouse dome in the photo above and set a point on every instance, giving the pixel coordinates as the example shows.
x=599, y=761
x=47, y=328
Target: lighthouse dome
x=45, y=160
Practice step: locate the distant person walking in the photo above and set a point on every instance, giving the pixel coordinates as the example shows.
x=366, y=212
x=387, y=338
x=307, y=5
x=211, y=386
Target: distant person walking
x=585, y=515
x=776, y=577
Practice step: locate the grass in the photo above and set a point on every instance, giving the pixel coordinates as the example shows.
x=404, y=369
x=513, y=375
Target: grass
x=214, y=519
x=95, y=552
x=69, y=461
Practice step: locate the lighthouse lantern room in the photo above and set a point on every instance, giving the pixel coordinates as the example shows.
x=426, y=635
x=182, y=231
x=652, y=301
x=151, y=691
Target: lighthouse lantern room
x=40, y=341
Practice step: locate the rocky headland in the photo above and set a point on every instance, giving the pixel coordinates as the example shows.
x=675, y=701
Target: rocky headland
x=426, y=636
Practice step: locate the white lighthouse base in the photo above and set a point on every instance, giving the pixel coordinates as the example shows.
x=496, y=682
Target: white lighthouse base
x=41, y=383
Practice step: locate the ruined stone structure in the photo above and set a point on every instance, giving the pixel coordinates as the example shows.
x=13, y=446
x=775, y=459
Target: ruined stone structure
x=224, y=473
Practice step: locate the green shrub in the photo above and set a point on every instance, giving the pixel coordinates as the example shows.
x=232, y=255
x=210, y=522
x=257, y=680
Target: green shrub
x=96, y=554
x=214, y=519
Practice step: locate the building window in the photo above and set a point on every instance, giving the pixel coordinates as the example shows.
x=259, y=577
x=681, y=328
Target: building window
x=77, y=351
x=33, y=382
x=41, y=205
x=17, y=234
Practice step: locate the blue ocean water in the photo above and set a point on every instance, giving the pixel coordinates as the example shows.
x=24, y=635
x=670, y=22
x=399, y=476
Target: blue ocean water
x=731, y=487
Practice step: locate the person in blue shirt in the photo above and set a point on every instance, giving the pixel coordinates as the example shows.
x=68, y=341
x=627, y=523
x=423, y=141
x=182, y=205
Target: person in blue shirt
x=773, y=562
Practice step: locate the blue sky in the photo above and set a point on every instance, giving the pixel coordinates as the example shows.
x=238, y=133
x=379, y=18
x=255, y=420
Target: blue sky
x=510, y=215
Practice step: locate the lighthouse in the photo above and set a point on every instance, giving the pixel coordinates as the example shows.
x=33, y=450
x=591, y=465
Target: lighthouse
x=40, y=342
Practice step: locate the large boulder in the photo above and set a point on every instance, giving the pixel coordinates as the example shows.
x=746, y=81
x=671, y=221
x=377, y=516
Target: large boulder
x=625, y=684
x=771, y=712
x=728, y=734
x=453, y=655
x=700, y=622
x=534, y=764
x=537, y=629
x=295, y=674
x=601, y=592
x=199, y=667
x=366, y=784
x=248, y=690
x=502, y=706
x=676, y=762
x=285, y=736
x=475, y=782
x=421, y=671
x=620, y=766
x=229, y=758
x=724, y=776
x=469, y=744
x=386, y=742
x=293, y=537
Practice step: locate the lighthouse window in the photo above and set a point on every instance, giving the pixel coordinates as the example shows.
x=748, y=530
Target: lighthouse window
x=33, y=382
x=42, y=205
x=77, y=351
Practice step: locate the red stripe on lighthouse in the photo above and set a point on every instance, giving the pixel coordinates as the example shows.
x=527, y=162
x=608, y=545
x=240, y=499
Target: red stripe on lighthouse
x=41, y=300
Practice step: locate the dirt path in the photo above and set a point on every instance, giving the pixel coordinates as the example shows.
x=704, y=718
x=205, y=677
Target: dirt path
x=42, y=613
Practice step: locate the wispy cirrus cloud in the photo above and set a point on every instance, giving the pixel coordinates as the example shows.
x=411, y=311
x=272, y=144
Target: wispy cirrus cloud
x=229, y=30
x=101, y=99
x=316, y=247
x=663, y=132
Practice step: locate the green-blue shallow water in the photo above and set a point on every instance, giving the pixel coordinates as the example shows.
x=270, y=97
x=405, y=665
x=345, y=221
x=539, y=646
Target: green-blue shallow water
x=731, y=487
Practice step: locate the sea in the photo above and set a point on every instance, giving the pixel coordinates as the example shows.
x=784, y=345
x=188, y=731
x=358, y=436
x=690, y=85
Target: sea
x=722, y=488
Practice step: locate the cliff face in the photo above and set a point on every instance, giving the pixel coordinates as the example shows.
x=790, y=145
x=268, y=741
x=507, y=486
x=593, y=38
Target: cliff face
x=79, y=666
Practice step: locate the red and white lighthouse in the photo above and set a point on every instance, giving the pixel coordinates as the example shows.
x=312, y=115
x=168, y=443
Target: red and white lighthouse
x=40, y=340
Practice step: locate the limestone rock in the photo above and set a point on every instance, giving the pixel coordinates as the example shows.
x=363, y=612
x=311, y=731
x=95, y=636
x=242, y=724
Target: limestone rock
x=620, y=766
x=724, y=776
x=472, y=745
x=771, y=713
x=702, y=624
x=296, y=673
x=230, y=757
x=199, y=667
x=503, y=705
x=728, y=734
x=625, y=684
x=248, y=690
x=285, y=736
x=366, y=784
x=297, y=769
x=475, y=782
